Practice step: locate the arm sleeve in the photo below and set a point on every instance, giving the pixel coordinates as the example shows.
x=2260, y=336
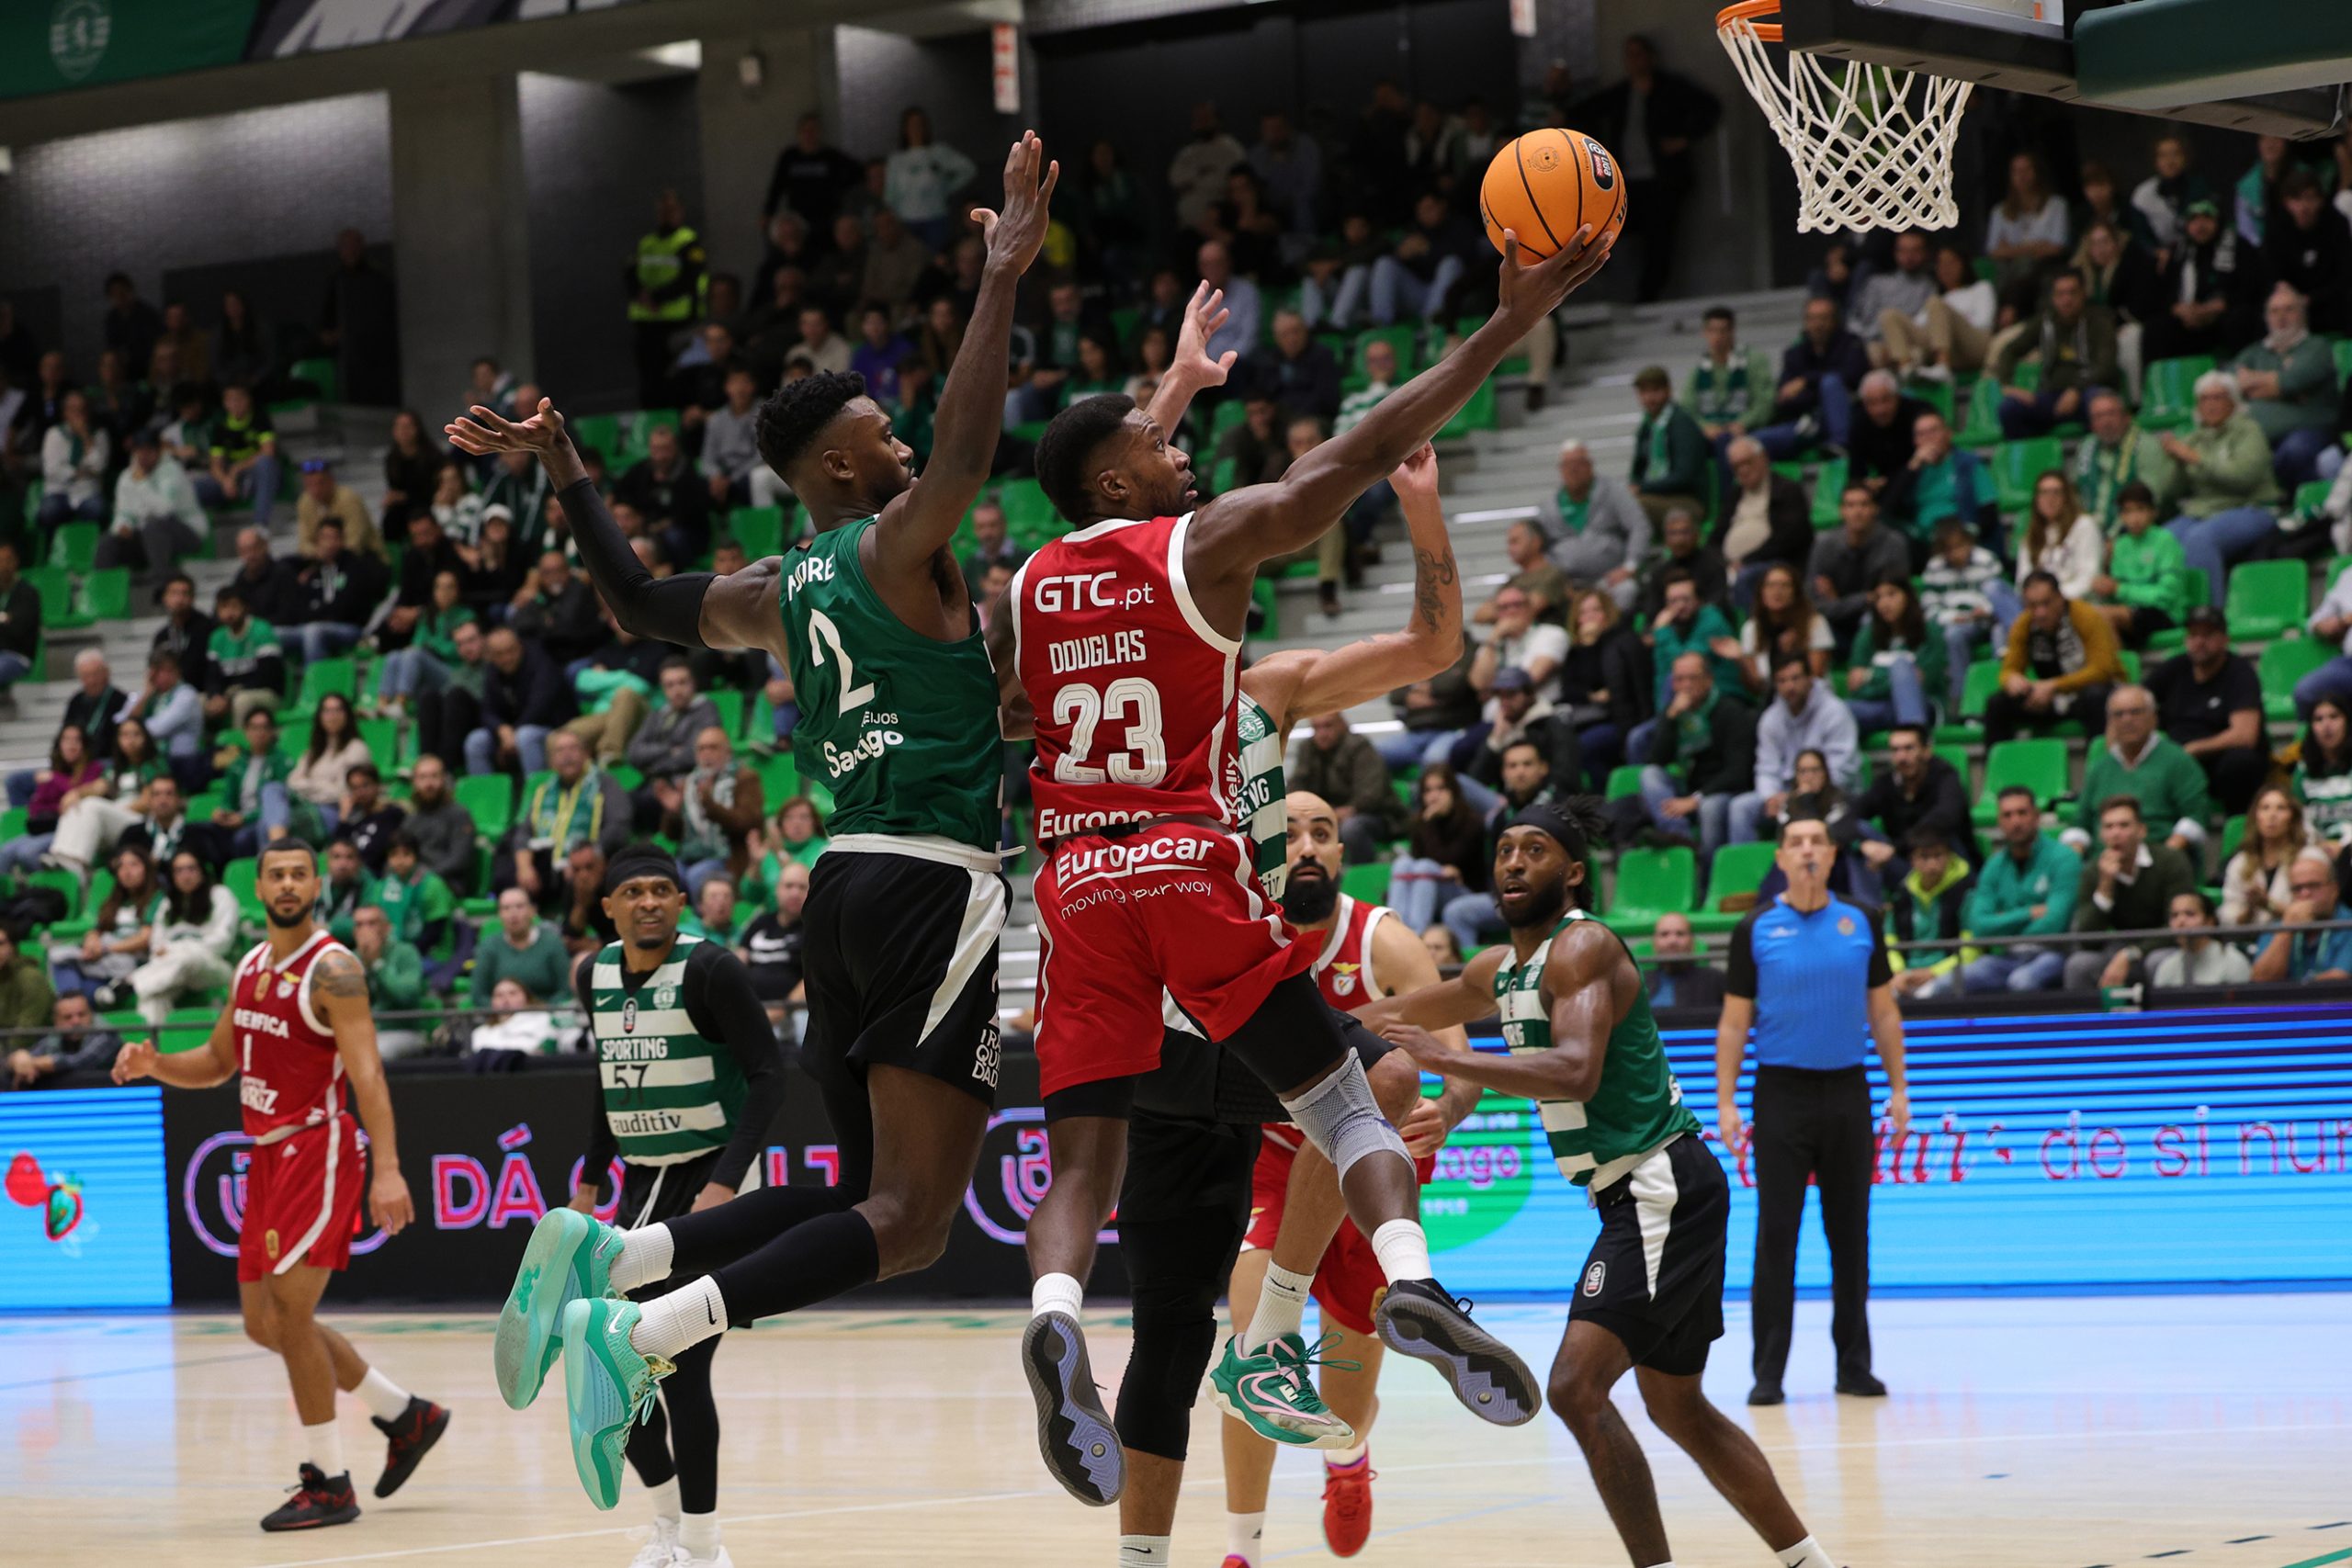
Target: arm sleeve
x=1739, y=966
x=726, y=1008
x=1881, y=969
x=596, y=1166
x=664, y=609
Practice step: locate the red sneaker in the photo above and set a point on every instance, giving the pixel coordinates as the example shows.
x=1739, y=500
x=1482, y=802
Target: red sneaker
x=318, y=1500
x=1236, y=1563
x=1346, y=1507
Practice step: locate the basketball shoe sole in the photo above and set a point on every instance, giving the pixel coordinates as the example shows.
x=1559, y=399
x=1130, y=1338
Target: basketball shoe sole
x=1417, y=1318
x=1074, y=1434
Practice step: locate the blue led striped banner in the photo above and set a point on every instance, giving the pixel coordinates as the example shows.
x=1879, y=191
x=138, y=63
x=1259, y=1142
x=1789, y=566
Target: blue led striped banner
x=83, y=1222
x=2203, y=1146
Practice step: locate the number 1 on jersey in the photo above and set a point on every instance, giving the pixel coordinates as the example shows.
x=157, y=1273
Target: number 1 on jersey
x=826, y=634
x=1084, y=709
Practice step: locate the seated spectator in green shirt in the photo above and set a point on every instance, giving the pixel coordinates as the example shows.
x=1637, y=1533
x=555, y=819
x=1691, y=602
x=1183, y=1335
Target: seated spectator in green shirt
x=1671, y=457
x=417, y=901
x=2144, y=589
x=2287, y=380
x=27, y=997
x=520, y=947
x=395, y=980
x=1687, y=626
x=1729, y=391
x=2136, y=759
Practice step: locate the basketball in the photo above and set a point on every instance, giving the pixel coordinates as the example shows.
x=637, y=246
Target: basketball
x=1547, y=184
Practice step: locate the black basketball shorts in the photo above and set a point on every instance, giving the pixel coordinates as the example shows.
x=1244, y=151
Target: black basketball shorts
x=1655, y=1277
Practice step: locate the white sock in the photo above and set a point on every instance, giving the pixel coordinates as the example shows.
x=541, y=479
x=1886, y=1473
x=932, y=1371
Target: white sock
x=644, y=1260
x=323, y=1446
x=384, y=1398
x=1056, y=1292
x=1345, y=1459
x=1282, y=1307
x=698, y=1533
x=665, y=1502
x=1403, y=1249
x=1245, y=1536
x=1806, y=1553
x=1143, y=1551
x=687, y=1315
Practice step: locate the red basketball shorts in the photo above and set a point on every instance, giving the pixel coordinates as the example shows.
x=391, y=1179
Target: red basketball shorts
x=302, y=1201
x=1174, y=908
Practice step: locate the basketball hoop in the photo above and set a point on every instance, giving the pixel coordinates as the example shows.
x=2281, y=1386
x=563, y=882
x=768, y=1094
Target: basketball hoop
x=1871, y=146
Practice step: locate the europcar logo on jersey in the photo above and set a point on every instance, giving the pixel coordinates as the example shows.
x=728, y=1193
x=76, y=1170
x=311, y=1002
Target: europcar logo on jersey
x=58, y=1201
x=1594, y=1276
x=1604, y=168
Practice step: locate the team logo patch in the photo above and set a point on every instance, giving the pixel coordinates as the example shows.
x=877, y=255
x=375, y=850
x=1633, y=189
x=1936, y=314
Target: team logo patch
x=1593, y=1278
x=628, y=1016
x=1845, y=925
x=1343, y=979
x=269, y=1242
x=1604, y=168
x=665, y=996
x=285, y=986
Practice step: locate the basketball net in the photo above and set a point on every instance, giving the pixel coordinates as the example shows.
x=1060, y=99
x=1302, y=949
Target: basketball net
x=1871, y=146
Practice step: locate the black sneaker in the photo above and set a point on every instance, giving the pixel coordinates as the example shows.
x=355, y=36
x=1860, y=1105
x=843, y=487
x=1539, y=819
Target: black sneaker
x=1861, y=1385
x=1767, y=1393
x=1420, y=1318
x=1074, y=1434
x=317, y=1501
x=413, y=1434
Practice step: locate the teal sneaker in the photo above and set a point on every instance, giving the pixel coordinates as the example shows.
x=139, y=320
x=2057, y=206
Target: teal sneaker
x=610, y=1387
x=569, y=1257
x=1272, y=1393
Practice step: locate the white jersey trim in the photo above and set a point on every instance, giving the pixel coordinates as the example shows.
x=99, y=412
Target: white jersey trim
x=1108, y=525
x=301, y=1248
x=1183, y=592
x=920, y=846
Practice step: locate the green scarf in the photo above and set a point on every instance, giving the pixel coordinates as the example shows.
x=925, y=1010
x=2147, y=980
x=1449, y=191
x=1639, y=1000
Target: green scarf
x=1573, y=512
x=1695, y=728
x=1661, y=450
x=1721, y=394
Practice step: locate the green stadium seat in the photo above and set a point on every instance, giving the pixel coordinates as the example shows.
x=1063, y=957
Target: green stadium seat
x=2309, y=498
x=2284, y=662
x=1478, y=413
x=1026, y=505
x=2343, y=359
x=322, y=678
x=293, y=737
x=383, y=737
x=628, y=777
x=12, y=823
x=319, y=372
x=1739, y=868
x=1983, y=678
x=1651, y=882
x=76, y=547
x=2266, y=597
x=55, y=590
x=2016, y=465
x=1827, y=486
x=238, y=876
x=1957, y=755
x=1124, y=321
x=1029, y=431
x=489, y=799
x=2173, y=638
x=1937, y=395
x=1263, y=599
x=779, y=778
x=2233, y=834
x=729, y=701
x=1401, y=338
x=759, y=529
x=1624, y=781
x=66, y=882
x=1367, y=883
x=1983, y=425
x=1229, y=413
x=2039, y=764
x=2168, y=396
x=600, y=430
x=1224, y=475
x=106, y=595
x=640, y=427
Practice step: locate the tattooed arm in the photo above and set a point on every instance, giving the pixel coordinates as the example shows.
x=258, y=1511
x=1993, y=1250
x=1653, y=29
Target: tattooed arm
x=1305, y=683
x=339, y=995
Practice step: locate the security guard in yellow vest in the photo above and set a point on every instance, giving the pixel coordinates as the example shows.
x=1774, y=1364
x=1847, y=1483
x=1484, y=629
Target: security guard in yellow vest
x=666, y=285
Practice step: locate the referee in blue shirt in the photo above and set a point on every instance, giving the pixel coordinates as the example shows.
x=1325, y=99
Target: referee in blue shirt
x=1809, y=972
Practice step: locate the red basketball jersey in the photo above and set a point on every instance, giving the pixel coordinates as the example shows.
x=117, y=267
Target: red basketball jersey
x=1133, y=688
x=1343, y=969
x=292, y=1075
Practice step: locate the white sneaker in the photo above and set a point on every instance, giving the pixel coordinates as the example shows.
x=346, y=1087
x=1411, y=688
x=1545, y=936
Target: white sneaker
x=1932, y=373
x=721, y=1561
x=661, y=1549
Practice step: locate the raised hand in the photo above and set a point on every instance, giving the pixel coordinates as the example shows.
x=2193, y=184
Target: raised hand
x=1415, y=479
x=1203, y=318
x=1016, y=235
x=486, y=431
x=1532, y=292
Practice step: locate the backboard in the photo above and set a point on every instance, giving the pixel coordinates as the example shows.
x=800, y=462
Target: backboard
x=2191, y=60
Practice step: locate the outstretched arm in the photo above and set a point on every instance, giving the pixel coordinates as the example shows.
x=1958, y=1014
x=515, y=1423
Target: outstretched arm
x=1192, y=371
x=1431, y=639
x=1579, y=980
x=216, y=1063
x=919, y=523
x=1448, y=1004
x=341, y=988
x=1236, y=532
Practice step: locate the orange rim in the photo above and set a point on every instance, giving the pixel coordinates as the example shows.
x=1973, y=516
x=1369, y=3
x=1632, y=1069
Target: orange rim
x=1748, y=11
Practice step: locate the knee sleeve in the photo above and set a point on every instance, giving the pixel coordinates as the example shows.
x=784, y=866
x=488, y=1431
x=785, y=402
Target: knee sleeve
x=1340, y=1117
x=1175, y=1332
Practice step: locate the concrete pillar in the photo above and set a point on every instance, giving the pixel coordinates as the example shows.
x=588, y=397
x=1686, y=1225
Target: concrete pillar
x=743, y=130
x=460, y=235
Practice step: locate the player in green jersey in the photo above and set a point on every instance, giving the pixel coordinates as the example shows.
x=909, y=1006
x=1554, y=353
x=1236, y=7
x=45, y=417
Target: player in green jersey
x=1584, y=1047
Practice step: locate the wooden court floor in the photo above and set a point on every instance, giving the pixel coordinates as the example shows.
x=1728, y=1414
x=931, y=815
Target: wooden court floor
x=2198, y=1431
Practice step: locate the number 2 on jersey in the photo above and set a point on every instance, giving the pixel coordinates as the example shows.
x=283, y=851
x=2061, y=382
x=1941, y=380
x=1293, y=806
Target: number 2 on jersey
x=1084, y=709
x=824, y=635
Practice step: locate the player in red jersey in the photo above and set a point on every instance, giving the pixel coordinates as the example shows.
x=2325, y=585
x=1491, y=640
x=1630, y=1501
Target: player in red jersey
x=1361, y=954
x=297, y=1027
x=1120, y=640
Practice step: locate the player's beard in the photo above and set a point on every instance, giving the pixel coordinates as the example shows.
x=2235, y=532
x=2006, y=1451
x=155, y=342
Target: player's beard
x=287, y=922
x=1545, y=905
x=1311, y=895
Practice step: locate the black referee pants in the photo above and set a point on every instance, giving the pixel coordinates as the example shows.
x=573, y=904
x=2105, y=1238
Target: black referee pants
x=1817, y=1127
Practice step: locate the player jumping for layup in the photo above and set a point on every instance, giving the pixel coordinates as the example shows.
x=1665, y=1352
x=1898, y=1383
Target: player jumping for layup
x=1123, y=638
x=297, y=1025
x=1585, y=1048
